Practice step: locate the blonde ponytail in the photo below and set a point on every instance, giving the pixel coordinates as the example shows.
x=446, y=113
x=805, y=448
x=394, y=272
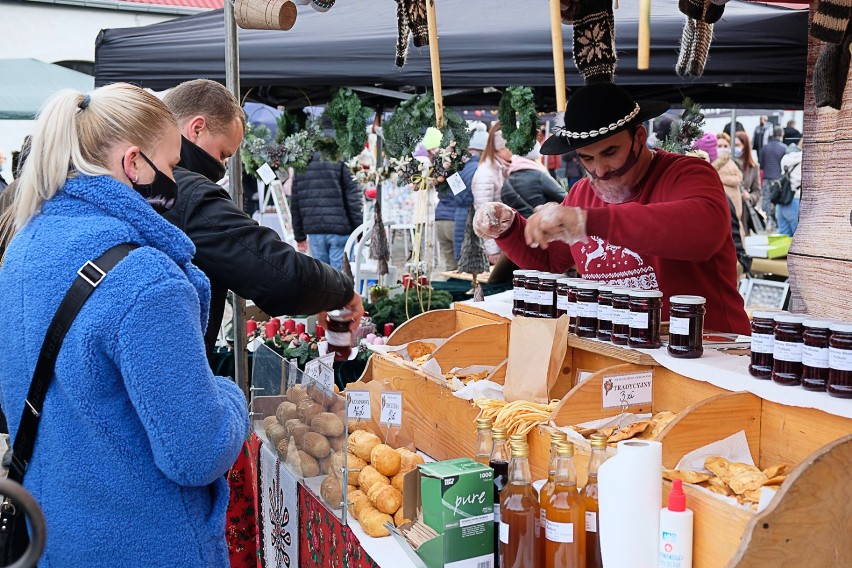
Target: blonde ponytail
x=72, y=137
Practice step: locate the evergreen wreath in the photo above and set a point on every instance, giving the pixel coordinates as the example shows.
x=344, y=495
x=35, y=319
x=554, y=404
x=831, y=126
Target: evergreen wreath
x=682, y=134
x=518, y=119
x=348, y=118
x=404, y=130
x=291, y=147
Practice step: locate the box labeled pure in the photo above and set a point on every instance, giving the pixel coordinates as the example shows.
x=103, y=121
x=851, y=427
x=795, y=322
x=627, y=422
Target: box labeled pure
x=458, y=503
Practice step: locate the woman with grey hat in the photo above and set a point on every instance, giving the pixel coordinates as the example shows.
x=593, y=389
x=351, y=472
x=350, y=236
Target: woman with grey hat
x=641, y=218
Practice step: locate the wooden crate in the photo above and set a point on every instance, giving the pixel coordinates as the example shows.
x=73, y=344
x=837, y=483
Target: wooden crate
x=434, y=324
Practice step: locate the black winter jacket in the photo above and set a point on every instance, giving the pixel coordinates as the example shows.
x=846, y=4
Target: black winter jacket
x=524, y=190
x=238, y=254
x=325, y=200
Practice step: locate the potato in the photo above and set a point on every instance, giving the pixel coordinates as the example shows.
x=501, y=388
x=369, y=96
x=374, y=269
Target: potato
x=361, y=444
x=303, y=464
x=327, y=464
x=331, y=491
x=369, y=476
x=360, y=503
x=297, y=393
x=356, y=425
x=276, y=433
x=283, y=449
x=297, y=430
x=355, y=465
x=337, y=442
x=286, y=411
x=269, y=421
x=385, y=460
x=408, y=460
x=385, y=498
x=399, y=518
x=354, y=496
x=316, y=444
x=327, y=424
x=308, y=409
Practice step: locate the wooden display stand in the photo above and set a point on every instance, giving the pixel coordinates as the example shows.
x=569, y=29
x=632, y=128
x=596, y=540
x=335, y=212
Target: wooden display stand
x=803, y=526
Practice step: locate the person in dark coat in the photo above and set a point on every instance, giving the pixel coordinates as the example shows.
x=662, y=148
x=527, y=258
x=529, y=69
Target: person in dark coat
x=573, y=173
x=231, y=249
x=326, y=203
x=530, y=185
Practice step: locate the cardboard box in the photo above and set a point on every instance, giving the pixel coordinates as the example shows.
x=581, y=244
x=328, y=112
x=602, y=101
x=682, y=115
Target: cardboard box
x=767, y=246
x=457, y=500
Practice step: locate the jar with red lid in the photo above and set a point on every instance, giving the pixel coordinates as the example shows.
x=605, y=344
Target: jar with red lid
x=646, y=308
x=762, y=343
x=547, y=295
x=686, y=326
x=531, y=296
x=338, y=335
x=519, y=278
x=587, y=308
x=787, y=349
x=562, y=296
x=620, y=316
x=840, y=360
x=815, y=354
x=572, y=303
x=604, y=332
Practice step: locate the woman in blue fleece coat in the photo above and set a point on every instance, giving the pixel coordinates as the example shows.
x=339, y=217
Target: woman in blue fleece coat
x=136, y=433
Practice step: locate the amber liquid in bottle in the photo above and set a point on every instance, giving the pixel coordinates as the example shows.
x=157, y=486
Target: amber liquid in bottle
x=590, y=499
x=565, y=523
x=518, y=516
x=547, y=489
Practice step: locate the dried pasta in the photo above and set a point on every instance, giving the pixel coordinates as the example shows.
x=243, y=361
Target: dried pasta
x=518, y=417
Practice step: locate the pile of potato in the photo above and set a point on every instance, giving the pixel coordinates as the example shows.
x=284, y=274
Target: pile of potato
x=308, y=429
x=375, y=480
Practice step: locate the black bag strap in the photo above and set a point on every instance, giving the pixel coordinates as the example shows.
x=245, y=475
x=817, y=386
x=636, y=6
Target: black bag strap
x=88, y=278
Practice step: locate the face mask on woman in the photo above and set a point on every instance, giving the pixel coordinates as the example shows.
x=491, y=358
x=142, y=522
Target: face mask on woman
x=161, y=193
x=723, y=151
x=738, y=152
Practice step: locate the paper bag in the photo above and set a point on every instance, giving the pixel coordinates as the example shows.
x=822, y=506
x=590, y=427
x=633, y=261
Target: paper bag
x=537, y=349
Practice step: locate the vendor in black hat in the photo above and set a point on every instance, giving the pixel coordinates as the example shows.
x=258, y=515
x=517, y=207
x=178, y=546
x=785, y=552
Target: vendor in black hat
x=640, y=218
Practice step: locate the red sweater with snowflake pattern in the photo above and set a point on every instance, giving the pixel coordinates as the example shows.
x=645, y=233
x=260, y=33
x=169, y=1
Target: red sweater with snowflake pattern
x=675, y=236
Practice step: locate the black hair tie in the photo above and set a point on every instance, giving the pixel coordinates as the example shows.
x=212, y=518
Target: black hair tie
x=85, y=102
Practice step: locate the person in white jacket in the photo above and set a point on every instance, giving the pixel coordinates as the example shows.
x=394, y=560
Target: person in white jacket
x=787, y=216
x=489, y=177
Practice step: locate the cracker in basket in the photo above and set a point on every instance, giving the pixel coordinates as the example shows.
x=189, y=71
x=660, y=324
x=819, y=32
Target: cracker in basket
x=658, y=424
x=418, y=349
x=747, y=480
x=716, y=485
x=686, y=476
x=719, y=466
x=777, y=480
x=629, y=431
x=422, y=359
x=775, y=470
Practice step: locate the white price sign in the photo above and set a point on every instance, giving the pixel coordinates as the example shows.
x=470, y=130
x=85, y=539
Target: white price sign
x=321, y=371
x=629, y=389
x=266, y=174
x=391, y=408
x=456, y=183
x=358, y=403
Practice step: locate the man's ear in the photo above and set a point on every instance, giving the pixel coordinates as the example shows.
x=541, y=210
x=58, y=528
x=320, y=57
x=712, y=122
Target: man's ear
x=193, y=127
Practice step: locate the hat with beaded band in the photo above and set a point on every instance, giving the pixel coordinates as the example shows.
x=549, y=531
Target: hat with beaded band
x=597, y=111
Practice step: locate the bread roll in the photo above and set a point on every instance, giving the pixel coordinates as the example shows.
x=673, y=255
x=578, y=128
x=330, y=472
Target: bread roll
x=385, y=460
x=337, y=442
x=283, y=448
x=297, y=430
x=269, y=421
x=408, y=460
x=385, y=498
x=353, y=463
x=373, y=522
x=286, y=411
x=399, y=518
x=327, y=424
x=331, y=491
x=360, y=503
x=369, y=476
x=398, y=482
x=327, y=464
x=303, y=464
x=316, y=444
x=361, y=444
x=353, y=497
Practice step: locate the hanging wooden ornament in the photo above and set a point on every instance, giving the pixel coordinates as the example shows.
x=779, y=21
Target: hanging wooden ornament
x=265, y=14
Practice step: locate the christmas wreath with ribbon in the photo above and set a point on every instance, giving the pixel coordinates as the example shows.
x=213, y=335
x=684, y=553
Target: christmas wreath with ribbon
x=404, y=130
x=348, y=118
x=518, y=119
x=292, y=146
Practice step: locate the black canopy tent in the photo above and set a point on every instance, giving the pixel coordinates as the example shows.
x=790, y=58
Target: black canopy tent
x=757, y=58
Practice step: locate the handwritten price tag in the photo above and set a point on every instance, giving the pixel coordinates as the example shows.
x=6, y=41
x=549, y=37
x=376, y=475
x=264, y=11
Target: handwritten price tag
x=266, y=174
x=321, y=371
x=358, y=403
x=391, y=408
x=629, y=389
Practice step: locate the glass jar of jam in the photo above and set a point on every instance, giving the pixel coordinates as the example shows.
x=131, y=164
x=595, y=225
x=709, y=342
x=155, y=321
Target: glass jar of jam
x=531, y=295
x=646, y=308
x=562, y=296
x=572, y=303
x=815, y=354
x=840, y=360
x=547, y=295
x=686, y=326
x=762, y=343
x=338, y=335
x=787, y=349
x=620, y=316
x=519, y=279
x=587, y=308
x=604, y=332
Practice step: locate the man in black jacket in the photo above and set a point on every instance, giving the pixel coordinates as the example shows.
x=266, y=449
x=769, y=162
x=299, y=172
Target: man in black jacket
x=231, y=249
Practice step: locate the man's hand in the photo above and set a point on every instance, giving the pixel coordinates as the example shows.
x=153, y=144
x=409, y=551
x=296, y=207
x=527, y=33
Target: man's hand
x=555, y=223
x=302, y=246
x=355, y=305
x=492, y=220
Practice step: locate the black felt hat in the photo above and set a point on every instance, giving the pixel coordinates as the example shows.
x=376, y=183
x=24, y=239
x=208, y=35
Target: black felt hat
x=597, y=111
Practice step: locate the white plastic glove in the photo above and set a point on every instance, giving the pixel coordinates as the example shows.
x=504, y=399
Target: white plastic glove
x=553, y=222
x=492, y=220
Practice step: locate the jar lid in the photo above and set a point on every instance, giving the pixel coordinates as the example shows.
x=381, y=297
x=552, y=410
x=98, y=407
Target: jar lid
x=533, y=273
x=588, y=285
x=842, y=327
x=646, y=294
x=790, y=318
x=818, y=323
x=519, y=272
x=549, y=276
x=692, y=300
x=621, y=291
x=567, y=281
x=767, y=314
x=608, y=288
x=340, y=315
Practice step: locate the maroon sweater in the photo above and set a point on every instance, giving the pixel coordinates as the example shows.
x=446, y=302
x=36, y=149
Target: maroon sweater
x=675, y=237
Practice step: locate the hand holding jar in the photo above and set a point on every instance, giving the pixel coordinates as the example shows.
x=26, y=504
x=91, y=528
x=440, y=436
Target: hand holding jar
x=553, y=222
x=492, y=220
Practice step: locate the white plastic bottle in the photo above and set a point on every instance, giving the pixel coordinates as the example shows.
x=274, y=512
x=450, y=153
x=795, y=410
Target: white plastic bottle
x=676, y=530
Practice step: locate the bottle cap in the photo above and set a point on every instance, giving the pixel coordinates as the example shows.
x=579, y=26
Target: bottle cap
x=692, y=300
x=818, y=323
x=518, y=438
x=767, y=314
x=588, y=285
x=483, y=424
x=646, y=294
x=598, y=440
x=677, y=498
x=558, y=436
x=498, y=433
x=565, y=450
x=520, y=451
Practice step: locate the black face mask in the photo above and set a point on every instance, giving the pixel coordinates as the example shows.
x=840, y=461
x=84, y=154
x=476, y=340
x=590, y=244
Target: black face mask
x=161, y=193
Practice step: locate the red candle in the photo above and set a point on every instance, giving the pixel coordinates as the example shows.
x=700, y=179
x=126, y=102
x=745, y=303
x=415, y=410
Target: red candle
x=289, y=325
x=320, y=332
x=271, y=328
x=251, y=326
x=276, y=322
x=388, y=329
x=300, y=328
x=423, y=281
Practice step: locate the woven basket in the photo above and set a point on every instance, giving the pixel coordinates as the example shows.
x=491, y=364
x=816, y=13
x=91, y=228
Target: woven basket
x=265, y=14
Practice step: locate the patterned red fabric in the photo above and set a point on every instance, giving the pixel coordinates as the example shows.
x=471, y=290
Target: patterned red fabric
x=208, y=4
x=241, y=529
x=323, y=541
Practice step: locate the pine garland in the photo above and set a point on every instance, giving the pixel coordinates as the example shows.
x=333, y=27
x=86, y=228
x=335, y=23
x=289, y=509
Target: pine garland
x=690, y=128
x=404, y=130
x=348, y=118
x=519, y=119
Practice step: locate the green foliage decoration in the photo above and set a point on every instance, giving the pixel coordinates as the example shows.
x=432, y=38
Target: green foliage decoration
x=404, y=130
x=690, y=128
x=392, y=310
x=348, y=118
x=519, y=119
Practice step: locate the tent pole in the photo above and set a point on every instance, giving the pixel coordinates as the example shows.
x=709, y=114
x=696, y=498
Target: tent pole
x=435, y=59
x=643, y=53
x=235, y=187
x=558, y=54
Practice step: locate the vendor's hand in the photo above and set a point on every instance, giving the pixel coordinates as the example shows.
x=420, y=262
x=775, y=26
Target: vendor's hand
x=555, y=222
x=302, y=246
x=492, y=220
x=355, y=305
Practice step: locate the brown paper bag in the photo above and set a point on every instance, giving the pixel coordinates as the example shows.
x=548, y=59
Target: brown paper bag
x=537, y=349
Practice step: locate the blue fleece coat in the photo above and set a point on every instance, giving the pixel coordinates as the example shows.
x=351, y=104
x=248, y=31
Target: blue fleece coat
x=136, y=433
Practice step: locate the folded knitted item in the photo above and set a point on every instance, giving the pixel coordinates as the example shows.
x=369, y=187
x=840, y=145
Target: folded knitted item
x=410, y=20
x=831, y=72
x=831, y=19
x=704, y=10
x=594, y=40
x=694, y=48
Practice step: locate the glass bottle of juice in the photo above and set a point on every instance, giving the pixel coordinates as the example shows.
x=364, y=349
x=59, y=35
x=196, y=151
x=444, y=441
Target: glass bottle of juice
x=565, y=546
x=590, y=497
x=499, y=462
x=482, y=451
x=546, y=491
x=518, y=512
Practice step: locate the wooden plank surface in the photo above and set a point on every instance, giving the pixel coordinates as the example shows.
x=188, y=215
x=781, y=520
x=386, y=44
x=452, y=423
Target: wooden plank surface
x=790, y=434
x=437, y=323
x=612, y=351
x=473, y=309
x=485, y=344
x=584, y=402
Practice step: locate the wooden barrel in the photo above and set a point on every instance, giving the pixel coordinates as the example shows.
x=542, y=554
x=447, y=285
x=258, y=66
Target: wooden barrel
x=265, y=14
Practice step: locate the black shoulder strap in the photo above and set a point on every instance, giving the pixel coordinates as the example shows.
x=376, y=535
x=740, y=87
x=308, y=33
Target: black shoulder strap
x=88, y=278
